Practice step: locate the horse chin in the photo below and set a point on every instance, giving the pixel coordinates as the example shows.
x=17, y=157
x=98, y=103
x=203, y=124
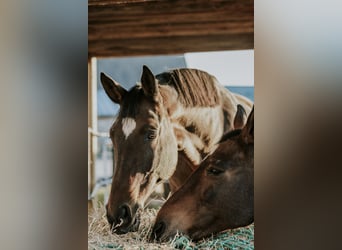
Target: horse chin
x=199, y=235
x=168, y=237
x=163, y=238
x=202, y=233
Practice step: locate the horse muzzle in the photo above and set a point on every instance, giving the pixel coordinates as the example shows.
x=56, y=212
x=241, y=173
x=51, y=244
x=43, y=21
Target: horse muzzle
x=161, y=232
x=125, y=220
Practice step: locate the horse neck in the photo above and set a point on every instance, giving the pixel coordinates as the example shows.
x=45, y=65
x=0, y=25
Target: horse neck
x=184, y=169
x=204, y=123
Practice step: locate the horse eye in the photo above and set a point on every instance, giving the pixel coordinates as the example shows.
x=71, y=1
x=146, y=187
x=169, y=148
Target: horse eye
x=214, y=171
x=151, y=134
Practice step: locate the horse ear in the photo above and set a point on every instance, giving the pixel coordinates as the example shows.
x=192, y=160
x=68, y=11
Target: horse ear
x=240, y=117
x=112, y=88
x=248, y=130
x=149, y=83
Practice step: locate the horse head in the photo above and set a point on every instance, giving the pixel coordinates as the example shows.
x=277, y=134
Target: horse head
x=219, y=195
x=145, y=146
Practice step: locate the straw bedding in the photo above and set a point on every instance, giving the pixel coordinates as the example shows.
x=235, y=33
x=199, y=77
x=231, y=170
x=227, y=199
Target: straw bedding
x=100, y=237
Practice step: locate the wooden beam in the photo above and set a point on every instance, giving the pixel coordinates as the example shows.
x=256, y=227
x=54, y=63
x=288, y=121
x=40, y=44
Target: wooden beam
x=128, y=28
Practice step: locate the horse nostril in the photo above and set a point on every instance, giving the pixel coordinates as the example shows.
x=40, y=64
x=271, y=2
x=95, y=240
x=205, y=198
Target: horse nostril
x=158, y=230
x=123, y=212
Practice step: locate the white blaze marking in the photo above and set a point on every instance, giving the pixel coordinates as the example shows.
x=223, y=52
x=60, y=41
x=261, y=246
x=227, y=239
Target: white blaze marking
x=128, y=125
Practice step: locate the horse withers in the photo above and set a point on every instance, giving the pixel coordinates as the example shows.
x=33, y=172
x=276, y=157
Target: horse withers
x=164, y=122
x=219, y=195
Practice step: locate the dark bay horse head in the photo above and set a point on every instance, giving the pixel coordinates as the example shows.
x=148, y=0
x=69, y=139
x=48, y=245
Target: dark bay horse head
x=145, y=147
x=219, y=195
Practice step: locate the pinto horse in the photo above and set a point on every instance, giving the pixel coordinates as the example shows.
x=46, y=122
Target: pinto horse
x=219, y=195
x=163, y=123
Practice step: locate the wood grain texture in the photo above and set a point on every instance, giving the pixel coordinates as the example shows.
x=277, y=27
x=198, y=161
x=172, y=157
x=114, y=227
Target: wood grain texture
x=129, y=28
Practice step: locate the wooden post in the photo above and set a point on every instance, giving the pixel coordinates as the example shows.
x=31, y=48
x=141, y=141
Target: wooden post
x=92, y=121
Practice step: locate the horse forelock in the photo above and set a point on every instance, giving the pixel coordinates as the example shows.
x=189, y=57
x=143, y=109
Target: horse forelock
x=131, y=101
x=195, y=88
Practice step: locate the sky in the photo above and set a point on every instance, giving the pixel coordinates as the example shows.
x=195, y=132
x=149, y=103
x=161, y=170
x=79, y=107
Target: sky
x=234, y=68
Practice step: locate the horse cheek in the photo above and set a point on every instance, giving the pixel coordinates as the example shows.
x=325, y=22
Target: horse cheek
x=168, y=156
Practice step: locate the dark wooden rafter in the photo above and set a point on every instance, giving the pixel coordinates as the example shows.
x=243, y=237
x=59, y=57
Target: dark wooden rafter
x=155, y=27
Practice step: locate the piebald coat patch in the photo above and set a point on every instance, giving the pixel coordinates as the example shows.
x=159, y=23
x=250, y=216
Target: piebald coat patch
x=128, y=126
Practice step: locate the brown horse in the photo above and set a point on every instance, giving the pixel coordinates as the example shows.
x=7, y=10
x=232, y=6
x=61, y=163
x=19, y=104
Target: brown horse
x=185, y=111
x=219, y=195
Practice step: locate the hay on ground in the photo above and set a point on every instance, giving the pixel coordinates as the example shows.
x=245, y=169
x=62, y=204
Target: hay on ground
x=100, y=237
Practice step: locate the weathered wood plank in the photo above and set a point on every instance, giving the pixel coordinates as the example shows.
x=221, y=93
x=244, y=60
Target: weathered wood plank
x=119, y=28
